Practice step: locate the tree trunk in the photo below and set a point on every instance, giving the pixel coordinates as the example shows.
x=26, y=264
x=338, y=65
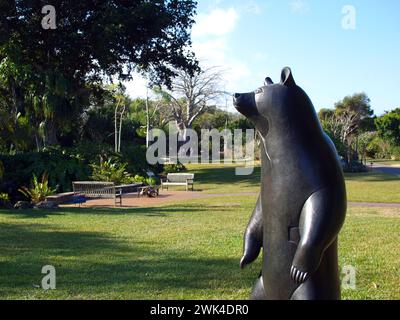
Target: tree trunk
x=116, y=130
x=121, y=115
x=182, y=138
x=147, y=120
x=51, y=134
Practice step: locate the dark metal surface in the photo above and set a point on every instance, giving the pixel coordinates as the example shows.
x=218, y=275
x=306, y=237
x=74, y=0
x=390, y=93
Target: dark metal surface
x=302, y=204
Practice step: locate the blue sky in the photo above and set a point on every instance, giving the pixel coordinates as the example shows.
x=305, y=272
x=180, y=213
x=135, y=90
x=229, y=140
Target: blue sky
x=253, y=39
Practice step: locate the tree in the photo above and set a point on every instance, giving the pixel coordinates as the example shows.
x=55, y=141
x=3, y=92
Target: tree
x=120, y=107
x=189, y=96
x=388, y=126
x=94, y=39
x=350, y=115
x=364, y=140
x=325, y=114
x=351, y=112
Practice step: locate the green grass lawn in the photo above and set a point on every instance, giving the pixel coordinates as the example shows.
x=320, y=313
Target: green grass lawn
x=180, y=251
x=372, y=187
x=361, y=187
x=187, y=250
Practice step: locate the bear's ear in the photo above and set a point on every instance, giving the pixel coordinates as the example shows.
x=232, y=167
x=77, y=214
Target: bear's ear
x=287, y=77
x=268, y=81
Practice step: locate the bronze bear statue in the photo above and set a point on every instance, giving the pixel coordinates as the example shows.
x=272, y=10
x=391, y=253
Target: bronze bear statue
x=302, y=204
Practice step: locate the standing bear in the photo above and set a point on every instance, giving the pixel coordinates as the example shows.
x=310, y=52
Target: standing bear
x=302, y=204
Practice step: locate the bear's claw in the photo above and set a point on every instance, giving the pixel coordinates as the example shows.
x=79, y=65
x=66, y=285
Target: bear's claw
x=298, y=276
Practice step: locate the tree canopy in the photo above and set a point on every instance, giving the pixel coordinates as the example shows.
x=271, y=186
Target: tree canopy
x=101, y=37
x=388, y=126
x=47, y=76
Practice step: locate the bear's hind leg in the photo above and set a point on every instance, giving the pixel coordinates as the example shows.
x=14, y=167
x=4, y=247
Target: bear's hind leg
x=305, y=291
x=258, y=292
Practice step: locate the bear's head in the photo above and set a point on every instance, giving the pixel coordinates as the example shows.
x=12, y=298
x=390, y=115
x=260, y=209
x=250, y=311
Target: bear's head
x=278, y=109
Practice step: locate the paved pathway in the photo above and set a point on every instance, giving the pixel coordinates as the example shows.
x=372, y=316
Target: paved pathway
x=393, y=170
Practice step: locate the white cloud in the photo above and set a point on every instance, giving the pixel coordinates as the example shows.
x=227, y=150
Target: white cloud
x=299, y=6
x=218, y=22
x=210, y=38
x=212, y=46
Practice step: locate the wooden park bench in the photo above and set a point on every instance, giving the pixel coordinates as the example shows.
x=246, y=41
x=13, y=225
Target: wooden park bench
x=178, y=179
x=100, y=189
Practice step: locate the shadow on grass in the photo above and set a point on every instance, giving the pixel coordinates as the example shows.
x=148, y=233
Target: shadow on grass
x=93, y=263
x=159, y=211
x=371, y=177
x=223, y=176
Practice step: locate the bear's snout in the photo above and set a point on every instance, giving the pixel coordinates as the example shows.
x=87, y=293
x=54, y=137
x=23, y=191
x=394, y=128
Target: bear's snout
x=245, y=103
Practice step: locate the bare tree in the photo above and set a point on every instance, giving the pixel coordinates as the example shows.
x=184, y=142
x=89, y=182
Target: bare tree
x=189, y=96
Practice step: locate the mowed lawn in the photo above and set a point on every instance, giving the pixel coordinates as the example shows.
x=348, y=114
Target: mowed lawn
x=361, y=187
x=187, y=250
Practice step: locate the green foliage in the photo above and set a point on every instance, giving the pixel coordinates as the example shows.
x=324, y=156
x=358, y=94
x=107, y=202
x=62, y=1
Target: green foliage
x=135, y=158
x=4, y=200
x=330, y=127
x=111, y=170
x=351, y=117
x=1, y=170
x=357, y=105
x=63, y=168
x=388, y=126
x=172, y=168
x=325, y=114
x=50, y=81
x=395, y=153
x=138, y=178
x=38, y=190
x=364, y=139
x=151, y=181
x=378, y=148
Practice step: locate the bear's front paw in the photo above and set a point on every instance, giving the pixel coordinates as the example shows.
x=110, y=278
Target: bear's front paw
x=305, y=262
x=297, y=275
x=252, y=247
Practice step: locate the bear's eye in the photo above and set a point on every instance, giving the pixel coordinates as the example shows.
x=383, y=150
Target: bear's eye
x=259, y=90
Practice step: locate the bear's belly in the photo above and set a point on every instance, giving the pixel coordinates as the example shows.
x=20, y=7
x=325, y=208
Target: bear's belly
x=279, y=248
x=281, y=214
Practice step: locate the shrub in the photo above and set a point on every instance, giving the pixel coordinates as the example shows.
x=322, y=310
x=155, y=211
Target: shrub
x=61, y=166
x=135, y=158
x=151, y=181
x=171, y=168
x=4, y=200
x=378, y=149
x=138, y=178
x=395, y=153
x=1, y=170
x=89, y=152
x=354, y=166
x=111, y=170
x=38, y=190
